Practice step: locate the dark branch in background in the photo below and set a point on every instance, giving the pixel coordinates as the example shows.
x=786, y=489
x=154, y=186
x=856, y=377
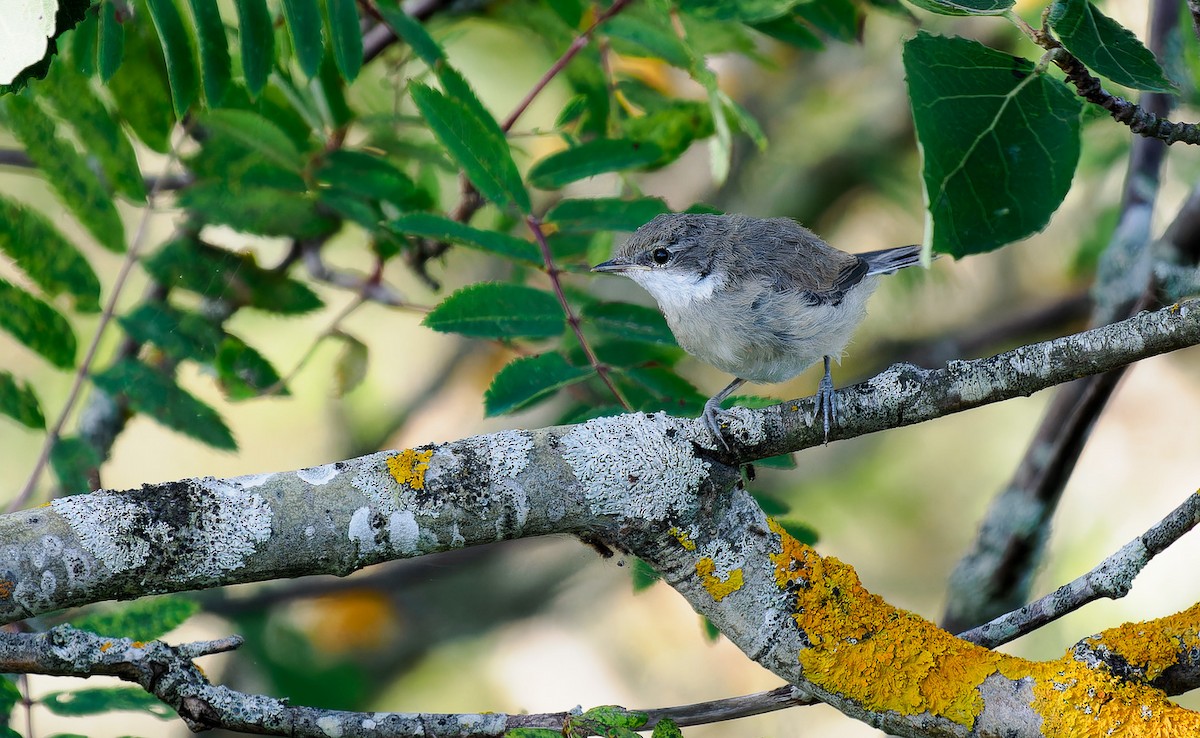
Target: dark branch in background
x=164, y=182
x=371, y=287
x=996, y=573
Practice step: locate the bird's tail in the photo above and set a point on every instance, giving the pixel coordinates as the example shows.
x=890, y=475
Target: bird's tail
x=890, y=260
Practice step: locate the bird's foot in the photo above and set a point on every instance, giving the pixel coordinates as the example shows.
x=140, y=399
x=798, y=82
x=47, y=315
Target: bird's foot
x=827, y=403
x=712, y=420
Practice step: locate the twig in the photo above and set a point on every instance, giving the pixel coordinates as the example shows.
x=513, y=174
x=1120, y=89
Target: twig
x=81, y=372
x=572, y=319
x=1111, y=579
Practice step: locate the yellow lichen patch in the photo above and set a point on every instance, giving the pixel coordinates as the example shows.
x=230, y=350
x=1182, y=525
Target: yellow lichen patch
x=105, y=646
x=684, y=539
x=409, y=466
x=719, y=588
x=138, y=644
x=7, y=587
x=1156, y=644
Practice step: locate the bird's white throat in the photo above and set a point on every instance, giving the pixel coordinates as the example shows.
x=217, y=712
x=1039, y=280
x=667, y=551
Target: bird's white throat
x=677, y=290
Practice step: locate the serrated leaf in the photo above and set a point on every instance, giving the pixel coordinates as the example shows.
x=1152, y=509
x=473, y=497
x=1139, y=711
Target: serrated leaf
x=666, y=384
x=263, y=210
x=215, y=67
x=141, y=89
x=605, y=213
x=623, y=353
x=351, y=367
x=484, y=157
x=179, y=334
x=498, y=310
x=257, y=43
x=533, y=733
x=429, y=225
x=69, y=174
x=244, y=373
x=99, y=700
x=641, y=34
x=965, y=7
x=412, y=32
x=1107, y=47
x=592, y=158
x=76, y=464
x=613, y=716
x=528, y=380
x=666, y=728
x=1000, y=142
x=18, y=401
x=47, y=257
x=747, y=11
x=372, y=177
x=257, y=134
x=631, y=322
x=156, y=395
x=143, y=620
x=187, y=263
x=110, y=45
x=178, y=53
x=37, y=325
x=304, y=25
x=97, y=129
x=346, y=37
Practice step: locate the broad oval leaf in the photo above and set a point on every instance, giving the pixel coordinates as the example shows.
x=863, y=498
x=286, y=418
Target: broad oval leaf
x=141, y=88
x=100, y=700
x=592, y=158
x=37, y=325
x=47, y=257
x=528, y=380
x=244, y=373
x=177, y=50
x=605, y=213
x=965, y=7
x=483, y=155
x=214, y=50
x=631, y=322
x=346, y=36
x=143, y=620
x=19, y=402
x=257, y=43
x=1000, y=142
x=1107, y=47
x=430, y=225
x=498, y=310
x=156, y=395
x=304, y=25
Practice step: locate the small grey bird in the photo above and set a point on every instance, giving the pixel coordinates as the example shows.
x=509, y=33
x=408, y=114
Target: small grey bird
x=761, y=299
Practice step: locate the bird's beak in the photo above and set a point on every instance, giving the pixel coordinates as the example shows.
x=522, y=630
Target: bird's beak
x=615, y=266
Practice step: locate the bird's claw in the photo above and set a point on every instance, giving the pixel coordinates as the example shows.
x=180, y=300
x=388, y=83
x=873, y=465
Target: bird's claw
x=712, y=420
x=827, y=404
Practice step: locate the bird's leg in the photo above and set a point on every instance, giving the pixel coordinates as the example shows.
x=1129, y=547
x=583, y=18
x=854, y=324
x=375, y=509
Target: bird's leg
x=827, y=400
x=713, y=411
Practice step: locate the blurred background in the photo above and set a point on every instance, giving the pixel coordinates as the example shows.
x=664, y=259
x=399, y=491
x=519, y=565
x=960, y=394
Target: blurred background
x=545, y=625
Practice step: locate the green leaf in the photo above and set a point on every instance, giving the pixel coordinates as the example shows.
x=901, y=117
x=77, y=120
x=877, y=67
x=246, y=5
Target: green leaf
x=605, y=213
x=329, y=97
x=69, y=174
x=244, y=373
x=257, y=42
x=18, y=401
x=110, y=48
x=672, y=128
x=666, y=384
x=412, y=32
x=666, y=728
x=839, y=19
x=644, y=576
x=178, y=52
x=143, y=620
x=304, y=24
x=802, y=532
x=498, y=310
x=141, y=89
x=429, y=225
x=711, y=631
x=190, y=264
x=47, y=257
x=214, y=50
x=528, y=380
x=97, y=129
x=791, y=32
x=747, y=11
x=1000, y=142
x=351, y=367
x=257, y=134
x=965, y=7
x=76, y=464
x=1106, y=46
x=153, y=393
x=532, y=733
x=780, y=461
x=81, y=42
x=372, y=177
x=9, y=696
x=646, y=34
x=592, y=158
x=263, y=210
x=484, y=156
x=179, y=334
x=770, y=504
x=631, y=322
x=37, y=325
x=99, y=700
x=346, y=36
x=613, y=716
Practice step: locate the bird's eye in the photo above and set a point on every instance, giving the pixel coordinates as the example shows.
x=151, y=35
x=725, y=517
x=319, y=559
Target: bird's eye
x=661, y=256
